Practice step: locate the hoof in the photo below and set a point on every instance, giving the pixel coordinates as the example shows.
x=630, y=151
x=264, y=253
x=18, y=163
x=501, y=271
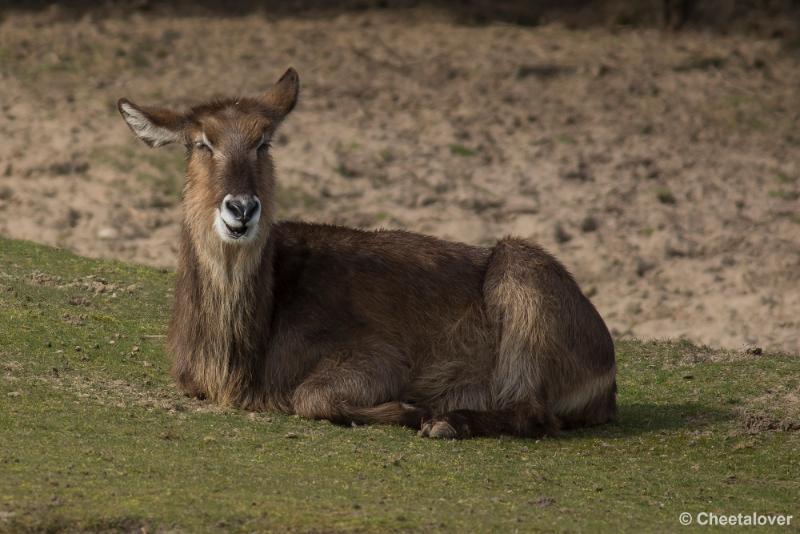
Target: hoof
x=444, y=428
x=438, y=429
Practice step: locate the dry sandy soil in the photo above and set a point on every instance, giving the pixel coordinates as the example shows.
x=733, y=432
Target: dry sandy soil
x=661, y=168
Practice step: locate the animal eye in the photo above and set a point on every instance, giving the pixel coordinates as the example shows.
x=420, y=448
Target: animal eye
x=263, y=144
x=201, y=145
x=204, y=144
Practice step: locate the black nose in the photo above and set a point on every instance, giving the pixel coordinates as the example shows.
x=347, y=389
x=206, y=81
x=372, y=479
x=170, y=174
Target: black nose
x=242, y=210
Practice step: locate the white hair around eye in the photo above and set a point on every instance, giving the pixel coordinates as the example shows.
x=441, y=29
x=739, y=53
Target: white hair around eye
x=206, y=142
x=264, y=142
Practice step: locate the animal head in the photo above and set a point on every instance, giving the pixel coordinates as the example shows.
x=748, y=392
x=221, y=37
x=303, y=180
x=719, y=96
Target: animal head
x=229, y=180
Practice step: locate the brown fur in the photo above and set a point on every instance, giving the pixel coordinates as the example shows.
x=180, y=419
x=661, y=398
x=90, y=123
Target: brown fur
x=368, y=327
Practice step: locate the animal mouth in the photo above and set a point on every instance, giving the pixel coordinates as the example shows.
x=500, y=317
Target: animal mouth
x=237, y=227
x=235, y=232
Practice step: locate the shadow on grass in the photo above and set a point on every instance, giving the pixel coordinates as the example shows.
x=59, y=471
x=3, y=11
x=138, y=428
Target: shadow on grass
x=38, y=520
x=644, y=418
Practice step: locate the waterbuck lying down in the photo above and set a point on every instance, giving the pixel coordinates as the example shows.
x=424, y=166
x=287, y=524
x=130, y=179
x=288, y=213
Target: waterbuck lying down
x=363, y=327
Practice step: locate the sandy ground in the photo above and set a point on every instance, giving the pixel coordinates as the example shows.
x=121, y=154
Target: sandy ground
x=662, y=169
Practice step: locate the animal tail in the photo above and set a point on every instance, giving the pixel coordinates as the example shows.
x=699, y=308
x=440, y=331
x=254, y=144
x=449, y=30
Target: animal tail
x=397, y=413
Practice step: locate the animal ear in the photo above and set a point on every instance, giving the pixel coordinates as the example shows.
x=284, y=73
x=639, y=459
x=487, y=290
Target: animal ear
x=154, y=126
x=283, y=95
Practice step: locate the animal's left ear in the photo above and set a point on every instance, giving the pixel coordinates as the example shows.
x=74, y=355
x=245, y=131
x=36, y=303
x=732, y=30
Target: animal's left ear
x=282, y=96
x=154, y=126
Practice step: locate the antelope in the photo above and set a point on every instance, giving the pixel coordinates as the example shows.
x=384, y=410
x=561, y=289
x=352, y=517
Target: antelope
x=361, y=327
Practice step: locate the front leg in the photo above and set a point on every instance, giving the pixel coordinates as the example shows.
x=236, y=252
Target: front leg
x=187, y=384
x=360, y=388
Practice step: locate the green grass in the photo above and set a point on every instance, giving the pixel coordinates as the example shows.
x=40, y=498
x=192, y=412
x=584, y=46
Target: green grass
x=784, y=194
x=460, y=150
x=94, y=437
x=566, y=139
x=665, y=196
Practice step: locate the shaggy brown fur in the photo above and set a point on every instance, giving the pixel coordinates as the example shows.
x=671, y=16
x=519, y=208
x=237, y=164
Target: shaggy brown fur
x=367, y=327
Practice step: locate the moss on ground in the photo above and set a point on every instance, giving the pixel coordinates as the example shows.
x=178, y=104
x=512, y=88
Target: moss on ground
x=95, y=438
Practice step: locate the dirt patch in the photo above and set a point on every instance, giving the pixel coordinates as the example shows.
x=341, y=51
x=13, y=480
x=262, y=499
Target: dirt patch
x=661, y=168
x=691, y=355
x=94, y=284
x=121, y=393
x=777, y=410
x=42, y=518
x=10, y=369
x=683, y=353
x=79, y=300
x=38, y=278
x=74, y=319
x=98, y=286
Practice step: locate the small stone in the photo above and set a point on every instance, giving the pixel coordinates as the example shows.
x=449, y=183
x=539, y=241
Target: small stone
x=580, y=173
x=633, y=308
x=589, y=224
x=290, y=435
x=665, y=196
x=643, y=267
x=107, y=233
x=521, y=205
x=671, y=251
x=561, y=235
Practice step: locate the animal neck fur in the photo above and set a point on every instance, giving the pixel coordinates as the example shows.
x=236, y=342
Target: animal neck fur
x=223, y=307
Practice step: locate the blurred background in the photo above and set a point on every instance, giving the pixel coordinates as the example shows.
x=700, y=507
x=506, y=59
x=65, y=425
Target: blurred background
x=651, y=145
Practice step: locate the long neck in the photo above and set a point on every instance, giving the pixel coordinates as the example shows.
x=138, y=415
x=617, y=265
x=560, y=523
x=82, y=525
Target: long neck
x=221, y=318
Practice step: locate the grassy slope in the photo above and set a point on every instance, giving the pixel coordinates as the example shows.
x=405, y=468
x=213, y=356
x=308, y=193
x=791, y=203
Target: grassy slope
x=95, y=437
